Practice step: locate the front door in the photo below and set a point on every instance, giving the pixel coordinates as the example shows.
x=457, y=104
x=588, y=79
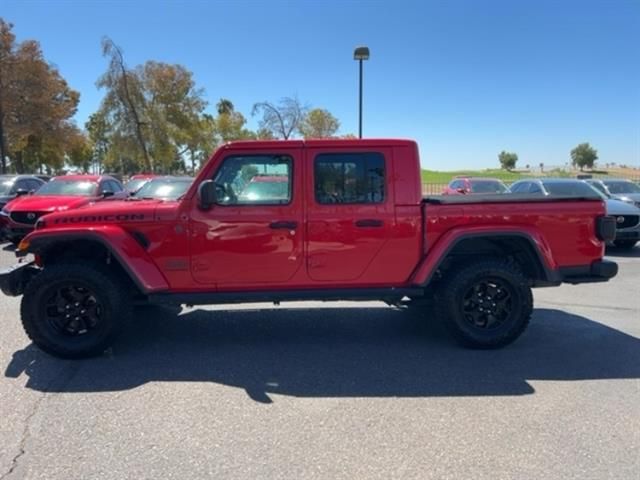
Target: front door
x=254, y=235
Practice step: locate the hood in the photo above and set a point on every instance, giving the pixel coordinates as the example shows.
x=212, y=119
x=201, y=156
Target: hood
x=618, y=207
x=627, y=197
x=46, y=203
x=116, y=211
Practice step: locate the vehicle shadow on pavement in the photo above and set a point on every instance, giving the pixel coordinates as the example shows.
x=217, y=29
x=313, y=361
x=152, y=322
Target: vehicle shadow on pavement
x=622, y=252
x=331, y=352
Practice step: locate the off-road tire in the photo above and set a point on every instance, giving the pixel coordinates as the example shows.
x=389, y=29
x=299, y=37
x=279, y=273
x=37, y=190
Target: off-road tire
x=108, y=291
x=453, y=303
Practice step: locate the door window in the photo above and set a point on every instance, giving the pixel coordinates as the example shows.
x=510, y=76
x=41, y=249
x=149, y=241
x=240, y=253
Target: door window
x=254, y=180
x=349, y=178
x=520, y=187
x=535, y=188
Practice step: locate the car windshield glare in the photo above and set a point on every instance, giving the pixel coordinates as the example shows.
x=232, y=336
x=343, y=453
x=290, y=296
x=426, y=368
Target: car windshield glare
x=488, y=186
x=622, y=187
x=5, y=187
x=134, y=185
x=576, y=188
x=68, y=187
x=164, y=189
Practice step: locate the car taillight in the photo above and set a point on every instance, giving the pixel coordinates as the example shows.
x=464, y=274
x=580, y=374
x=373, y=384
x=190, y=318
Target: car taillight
x=606, y=228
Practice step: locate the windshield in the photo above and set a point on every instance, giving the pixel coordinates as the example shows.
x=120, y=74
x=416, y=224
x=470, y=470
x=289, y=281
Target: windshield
x=622, y=187
x=134, y=185
x=577, y=188
x=488, y=186
x=164, y=189
x=5, y=187
x=81, y=188
x=598, y=186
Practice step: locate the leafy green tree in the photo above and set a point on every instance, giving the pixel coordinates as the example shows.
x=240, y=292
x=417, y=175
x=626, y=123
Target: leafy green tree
x=153, y=114
x=584, y=155
x=80, y=152
x=319, y=123
x=282, y=120
x=97, y=129
x=507, y=160
x=36, y=106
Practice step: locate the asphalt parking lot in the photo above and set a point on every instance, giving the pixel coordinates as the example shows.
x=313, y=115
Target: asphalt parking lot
x=333, y=391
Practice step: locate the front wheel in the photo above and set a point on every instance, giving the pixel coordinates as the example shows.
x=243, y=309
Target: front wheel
x=74, y=310
x=486, y=304
x=625, y=244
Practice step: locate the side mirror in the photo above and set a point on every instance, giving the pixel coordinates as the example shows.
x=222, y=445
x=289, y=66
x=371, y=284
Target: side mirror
x=107, y=194
x=461, y=190
x=21, y=191
x=207, y=196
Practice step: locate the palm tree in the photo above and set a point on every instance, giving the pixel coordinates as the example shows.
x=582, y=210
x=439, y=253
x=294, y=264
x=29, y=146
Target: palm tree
x=224, y=106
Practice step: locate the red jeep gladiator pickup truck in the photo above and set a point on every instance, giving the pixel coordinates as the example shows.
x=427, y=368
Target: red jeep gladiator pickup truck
x=342, y=220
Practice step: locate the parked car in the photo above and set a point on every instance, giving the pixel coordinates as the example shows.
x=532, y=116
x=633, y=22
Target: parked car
x=136, y=182
x=474, y=185
x=164, y=188
x=479, y=254
x=12, y=186
x=60, y=194
x=624, y=190
x=627, y=216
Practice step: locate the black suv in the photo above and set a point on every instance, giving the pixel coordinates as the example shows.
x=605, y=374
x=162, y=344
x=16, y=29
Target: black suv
x=12, y=186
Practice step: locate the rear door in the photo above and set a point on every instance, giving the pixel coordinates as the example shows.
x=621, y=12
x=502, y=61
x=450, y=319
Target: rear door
x=350, y=211
x=254, y=235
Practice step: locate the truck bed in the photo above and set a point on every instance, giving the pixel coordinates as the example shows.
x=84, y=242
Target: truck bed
x=505, y=198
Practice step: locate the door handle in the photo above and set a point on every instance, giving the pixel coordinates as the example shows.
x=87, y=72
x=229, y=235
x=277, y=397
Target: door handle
x=284, y=225
x=369, y=222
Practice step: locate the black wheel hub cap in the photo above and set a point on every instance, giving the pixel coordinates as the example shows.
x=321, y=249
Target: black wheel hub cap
x=488, y=303
x=73, y=310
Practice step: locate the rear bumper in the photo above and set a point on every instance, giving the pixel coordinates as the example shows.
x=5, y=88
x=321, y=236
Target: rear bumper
x=13, y=280
x=600, y=271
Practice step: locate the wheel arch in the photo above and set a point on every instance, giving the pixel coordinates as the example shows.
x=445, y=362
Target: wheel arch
x=117, y=248
x=528, y=251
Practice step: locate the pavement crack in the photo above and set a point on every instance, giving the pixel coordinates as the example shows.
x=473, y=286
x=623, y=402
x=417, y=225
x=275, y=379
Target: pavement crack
x=22, y=445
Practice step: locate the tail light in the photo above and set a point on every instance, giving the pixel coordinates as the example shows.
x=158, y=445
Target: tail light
x=606, y=228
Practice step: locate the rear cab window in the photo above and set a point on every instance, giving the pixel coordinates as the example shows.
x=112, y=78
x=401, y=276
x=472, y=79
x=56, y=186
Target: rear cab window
x=349, y=178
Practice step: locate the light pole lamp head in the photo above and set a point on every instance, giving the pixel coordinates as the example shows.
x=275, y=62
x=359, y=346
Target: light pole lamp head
x=361, y=53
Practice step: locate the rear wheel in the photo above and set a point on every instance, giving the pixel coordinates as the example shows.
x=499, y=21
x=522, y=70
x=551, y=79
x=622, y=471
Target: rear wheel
x=486, y=304
x=626, y=244
x=74, y=310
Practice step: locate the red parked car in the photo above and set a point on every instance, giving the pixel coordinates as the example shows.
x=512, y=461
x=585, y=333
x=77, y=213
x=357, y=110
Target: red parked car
x=61, y=193
x=474, y=185
x=351, y=224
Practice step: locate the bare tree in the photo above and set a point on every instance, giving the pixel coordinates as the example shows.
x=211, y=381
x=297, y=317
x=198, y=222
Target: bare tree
x=117, y=77
x=282, y=120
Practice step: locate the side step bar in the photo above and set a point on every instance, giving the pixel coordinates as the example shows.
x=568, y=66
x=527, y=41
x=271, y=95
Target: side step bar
x=359, y=294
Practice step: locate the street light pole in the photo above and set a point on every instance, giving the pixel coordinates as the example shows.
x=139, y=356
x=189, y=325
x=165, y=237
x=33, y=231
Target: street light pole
x=360, y=54
x=360, y=103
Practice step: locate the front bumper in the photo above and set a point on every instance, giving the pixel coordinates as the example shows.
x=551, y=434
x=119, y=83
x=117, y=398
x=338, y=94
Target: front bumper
x=600, y=271
x=14, y=279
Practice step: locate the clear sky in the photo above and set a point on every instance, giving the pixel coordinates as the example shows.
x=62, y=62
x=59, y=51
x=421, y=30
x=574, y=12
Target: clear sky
x=466, y=79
